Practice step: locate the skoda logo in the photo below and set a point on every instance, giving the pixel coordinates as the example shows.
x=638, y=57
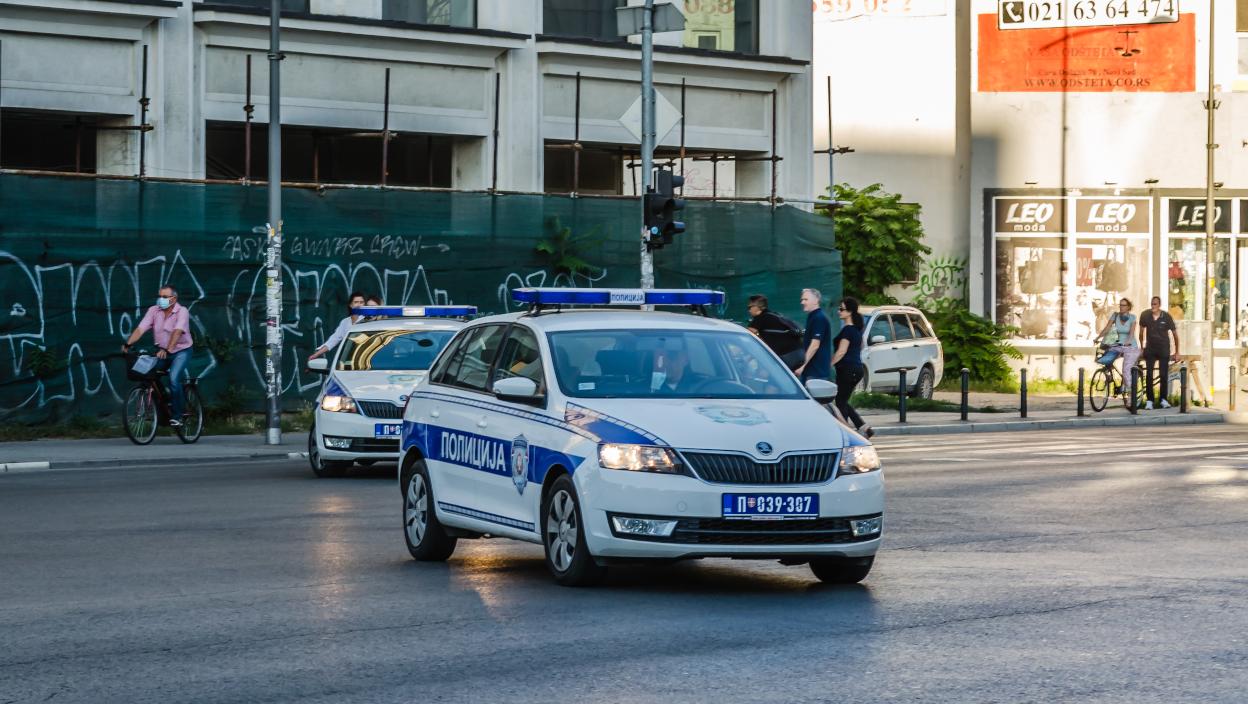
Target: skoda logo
x=764, y=448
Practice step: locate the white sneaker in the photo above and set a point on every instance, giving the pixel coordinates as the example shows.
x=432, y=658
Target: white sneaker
x=1165, y=403
x=1148, y=406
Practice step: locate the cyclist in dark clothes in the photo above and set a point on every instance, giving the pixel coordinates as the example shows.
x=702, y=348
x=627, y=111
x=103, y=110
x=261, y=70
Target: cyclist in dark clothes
x=847, y=359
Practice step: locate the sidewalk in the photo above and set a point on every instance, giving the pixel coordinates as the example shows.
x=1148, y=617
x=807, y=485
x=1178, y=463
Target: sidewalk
x=165, y=449
x=885, y=422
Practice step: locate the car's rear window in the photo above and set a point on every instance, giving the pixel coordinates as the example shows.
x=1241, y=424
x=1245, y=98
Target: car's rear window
x=392, y=350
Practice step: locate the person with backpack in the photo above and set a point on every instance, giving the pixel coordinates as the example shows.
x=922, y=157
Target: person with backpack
x=780, y=334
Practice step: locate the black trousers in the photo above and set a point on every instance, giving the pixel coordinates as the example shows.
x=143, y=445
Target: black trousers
x=1159, y=358
x=846, y=381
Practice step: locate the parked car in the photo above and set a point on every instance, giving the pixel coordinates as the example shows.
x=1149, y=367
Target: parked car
x=900, y=336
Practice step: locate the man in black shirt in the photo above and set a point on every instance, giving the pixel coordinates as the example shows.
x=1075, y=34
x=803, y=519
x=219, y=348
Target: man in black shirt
x=782, y=335
x=1156, y=330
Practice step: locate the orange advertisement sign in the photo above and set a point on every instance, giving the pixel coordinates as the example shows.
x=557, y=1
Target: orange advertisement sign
x=1133, y=58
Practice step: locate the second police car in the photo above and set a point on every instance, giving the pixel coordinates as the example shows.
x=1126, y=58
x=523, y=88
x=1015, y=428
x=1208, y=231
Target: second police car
x=358, y=414
x=613, y=436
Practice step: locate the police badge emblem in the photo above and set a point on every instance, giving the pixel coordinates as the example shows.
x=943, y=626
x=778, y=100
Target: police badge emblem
x=520, y=463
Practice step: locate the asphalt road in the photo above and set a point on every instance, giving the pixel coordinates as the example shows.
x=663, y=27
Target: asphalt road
x=1084, y=566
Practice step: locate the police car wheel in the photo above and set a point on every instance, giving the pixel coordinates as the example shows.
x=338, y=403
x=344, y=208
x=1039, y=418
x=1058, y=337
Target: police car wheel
x=563, y=535
x=322, y=467
x=426, y=540
x=841, y=570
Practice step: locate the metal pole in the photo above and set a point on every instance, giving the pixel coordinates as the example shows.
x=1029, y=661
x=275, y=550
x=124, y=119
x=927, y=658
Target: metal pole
x=248, y=108
x=1231, y=390
x=498, y=83
x=143, y=101
x=1079, y=404
x=682, y=132
x=576, y=139
x=273, y=263
x=1134, y=389
x=775, y=171
x=1183, y=389
x=966, y=387
x=1210, y=212
x=1022, y=393
x=901, y=395
x=831, y=153
x=385, y=132
x=1, y=73
x=647, y=134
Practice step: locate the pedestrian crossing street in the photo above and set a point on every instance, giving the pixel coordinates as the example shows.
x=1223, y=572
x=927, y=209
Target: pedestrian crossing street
x=1223, y=443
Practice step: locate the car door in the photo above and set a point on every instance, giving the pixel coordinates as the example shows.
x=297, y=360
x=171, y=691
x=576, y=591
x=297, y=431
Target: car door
x=880, y=353
x=927, y=347
x=460, y=443
x=908, y=352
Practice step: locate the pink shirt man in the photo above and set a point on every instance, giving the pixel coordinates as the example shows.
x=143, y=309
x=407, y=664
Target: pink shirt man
x=162, y=326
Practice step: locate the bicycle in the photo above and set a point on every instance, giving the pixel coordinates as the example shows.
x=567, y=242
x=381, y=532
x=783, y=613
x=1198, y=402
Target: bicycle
x=1108, y=382
x=146, y=407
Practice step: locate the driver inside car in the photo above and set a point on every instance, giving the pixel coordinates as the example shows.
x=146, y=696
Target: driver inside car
x=671, y=372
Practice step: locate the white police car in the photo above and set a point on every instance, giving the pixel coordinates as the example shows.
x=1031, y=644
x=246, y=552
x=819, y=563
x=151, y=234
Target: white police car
x=359, y=410
x=624, y=435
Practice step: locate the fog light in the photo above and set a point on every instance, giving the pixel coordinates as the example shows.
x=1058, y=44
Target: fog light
x=642, y=526
x=866, y=526
x=337, y=443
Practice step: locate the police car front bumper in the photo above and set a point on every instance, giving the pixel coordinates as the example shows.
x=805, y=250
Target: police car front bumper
x=847, y=506
x=351, y=436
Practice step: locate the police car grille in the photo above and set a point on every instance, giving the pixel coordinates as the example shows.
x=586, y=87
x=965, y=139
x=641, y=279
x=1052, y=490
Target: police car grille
x=720, y=531
x=721, y=468
x=380, y=409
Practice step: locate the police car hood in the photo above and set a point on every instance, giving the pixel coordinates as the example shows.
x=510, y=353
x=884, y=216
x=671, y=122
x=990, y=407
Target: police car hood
x=711, y=424
x=374, y=385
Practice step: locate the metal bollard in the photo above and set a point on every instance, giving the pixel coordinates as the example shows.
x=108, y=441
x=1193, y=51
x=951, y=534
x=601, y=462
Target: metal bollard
x=1022, y=393
x=1079, y=403
x=1183, y=389
x=1231, y=391
x=966, y=393
x=1134, y=389
x=901, y=396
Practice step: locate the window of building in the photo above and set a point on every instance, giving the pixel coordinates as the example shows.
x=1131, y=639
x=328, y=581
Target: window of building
x=601, y=170
x=287, y=5
x=48, y=141
x=1241, y=15
x=451, y=13
x=315, y=155
x=717, y=25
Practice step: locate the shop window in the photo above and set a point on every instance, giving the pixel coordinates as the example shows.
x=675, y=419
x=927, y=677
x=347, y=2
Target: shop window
x=47, y=141
x=1185, y=274
x=601, y=170
x=451, y=13
x=312, y=155
x=1029, y=286
x=1107, y=270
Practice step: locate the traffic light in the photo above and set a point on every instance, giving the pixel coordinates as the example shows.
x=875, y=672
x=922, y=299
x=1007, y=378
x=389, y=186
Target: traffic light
x=662, y=207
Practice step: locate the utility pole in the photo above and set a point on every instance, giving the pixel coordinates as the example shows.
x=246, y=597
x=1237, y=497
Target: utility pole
x=1211, y=212
x=647, y=136
x=273, y=254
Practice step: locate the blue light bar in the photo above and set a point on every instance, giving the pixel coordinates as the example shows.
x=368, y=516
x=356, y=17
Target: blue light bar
x=618, y=296
x=416, y=311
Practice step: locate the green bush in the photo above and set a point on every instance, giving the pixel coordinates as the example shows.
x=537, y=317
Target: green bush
x=971, y=342
x=880, y=239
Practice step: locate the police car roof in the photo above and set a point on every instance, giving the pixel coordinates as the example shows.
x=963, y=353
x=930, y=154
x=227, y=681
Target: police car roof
x=408, y=324
x=614, y=319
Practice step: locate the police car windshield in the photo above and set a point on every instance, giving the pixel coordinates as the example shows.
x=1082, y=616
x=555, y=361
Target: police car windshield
x=405, y=350
x=668, y=364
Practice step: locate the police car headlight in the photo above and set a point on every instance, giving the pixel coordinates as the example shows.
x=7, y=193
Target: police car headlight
x=339, y=404
x=638, y=458
x=858, y=459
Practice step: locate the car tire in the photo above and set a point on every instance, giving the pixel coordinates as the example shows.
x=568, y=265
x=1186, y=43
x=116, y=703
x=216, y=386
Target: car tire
x=925, y=386
x=563, y=536
x=322, y=467
x=841, y=570
x=423, y=533
x=864, y=386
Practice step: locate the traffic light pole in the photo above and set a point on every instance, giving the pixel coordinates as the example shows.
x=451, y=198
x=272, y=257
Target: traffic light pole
x=273, y=256
x=647, y=136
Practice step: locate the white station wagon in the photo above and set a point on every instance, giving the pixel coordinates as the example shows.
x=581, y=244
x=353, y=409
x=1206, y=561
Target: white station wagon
x=900, y=336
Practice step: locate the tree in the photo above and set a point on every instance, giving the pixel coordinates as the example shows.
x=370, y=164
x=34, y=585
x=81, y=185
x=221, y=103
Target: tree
x=561, y=251
x=880, y=239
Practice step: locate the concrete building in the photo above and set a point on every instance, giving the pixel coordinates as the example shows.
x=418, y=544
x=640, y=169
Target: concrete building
x=477, y=94
x=990, y=128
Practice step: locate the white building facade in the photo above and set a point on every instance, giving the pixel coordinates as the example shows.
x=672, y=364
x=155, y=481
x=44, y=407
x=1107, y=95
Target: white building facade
x=511, y=95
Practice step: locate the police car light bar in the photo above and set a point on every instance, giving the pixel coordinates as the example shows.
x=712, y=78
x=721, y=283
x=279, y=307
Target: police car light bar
x=416, y=311
x=618, y=296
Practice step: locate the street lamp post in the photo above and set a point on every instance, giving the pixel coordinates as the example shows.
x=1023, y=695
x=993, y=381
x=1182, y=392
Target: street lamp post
x=1211, y=212
x=273, y=253
x=647, y=135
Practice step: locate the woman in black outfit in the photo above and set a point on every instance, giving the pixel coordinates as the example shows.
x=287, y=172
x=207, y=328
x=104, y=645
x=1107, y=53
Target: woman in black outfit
x=847, y=359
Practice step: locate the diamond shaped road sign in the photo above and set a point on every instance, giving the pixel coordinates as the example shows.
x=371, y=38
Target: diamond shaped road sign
x=666, y=116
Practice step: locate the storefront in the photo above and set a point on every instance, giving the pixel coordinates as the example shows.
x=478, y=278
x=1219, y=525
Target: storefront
x=1061, y=263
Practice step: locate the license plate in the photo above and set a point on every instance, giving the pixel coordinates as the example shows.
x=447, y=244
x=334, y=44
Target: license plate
x=761, y=507
x=387, y=430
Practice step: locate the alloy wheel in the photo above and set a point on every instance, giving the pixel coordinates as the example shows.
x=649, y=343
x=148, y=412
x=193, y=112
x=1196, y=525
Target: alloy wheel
x=561, y=530
x=416, y=509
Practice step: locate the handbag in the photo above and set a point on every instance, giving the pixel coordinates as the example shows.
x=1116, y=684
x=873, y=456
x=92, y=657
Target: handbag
x=1111, y=276
x=1041, y=274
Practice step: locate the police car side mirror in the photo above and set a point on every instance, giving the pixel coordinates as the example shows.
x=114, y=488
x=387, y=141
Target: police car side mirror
x=518, y=389
x=821, y=390
x=320, y=365
x=878, y=339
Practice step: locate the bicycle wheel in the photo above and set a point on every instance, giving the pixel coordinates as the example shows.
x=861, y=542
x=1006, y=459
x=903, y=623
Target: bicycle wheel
x=1100, y=387
x=139, y=415
x=193, y=416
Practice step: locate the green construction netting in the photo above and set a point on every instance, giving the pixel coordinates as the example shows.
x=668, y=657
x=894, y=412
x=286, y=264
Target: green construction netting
x=82, y=259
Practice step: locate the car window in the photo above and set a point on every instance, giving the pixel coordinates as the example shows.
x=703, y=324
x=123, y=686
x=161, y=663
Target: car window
x=668, y=364
x=880, y=327
x=446, y=366
x=920, y=326
x=478, y=356
x=521, y=357
x=901, y=327
x=391, y=350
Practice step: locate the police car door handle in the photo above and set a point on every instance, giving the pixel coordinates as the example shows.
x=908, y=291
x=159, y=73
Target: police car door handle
x=482, y=422
x=435, y=413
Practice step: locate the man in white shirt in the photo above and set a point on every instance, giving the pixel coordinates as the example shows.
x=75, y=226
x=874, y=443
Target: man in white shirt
x=355, y=301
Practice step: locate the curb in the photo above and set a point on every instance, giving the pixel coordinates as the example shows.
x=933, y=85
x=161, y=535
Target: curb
x=1202, y=417
x=20, y=467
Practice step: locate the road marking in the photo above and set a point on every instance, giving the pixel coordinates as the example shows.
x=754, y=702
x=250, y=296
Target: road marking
x=24, y=466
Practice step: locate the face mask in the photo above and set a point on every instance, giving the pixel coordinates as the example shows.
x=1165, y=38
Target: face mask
x=658, y=376
x=163, y=303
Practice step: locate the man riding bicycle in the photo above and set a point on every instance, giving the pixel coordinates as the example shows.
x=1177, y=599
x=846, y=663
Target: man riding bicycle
x=170, y=324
